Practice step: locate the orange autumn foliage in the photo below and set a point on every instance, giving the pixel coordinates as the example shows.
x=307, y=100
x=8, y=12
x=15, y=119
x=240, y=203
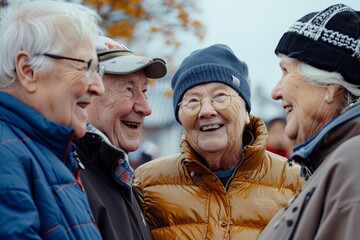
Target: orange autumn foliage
x=161, y=17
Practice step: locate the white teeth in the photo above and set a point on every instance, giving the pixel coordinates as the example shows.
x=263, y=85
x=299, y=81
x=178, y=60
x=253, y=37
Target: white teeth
x=215, y=126
x=82, y=105
x=288, y=109
x=131, y=124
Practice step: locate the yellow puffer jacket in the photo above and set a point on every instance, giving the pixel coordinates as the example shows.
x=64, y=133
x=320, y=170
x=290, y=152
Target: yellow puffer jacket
x=183, y=199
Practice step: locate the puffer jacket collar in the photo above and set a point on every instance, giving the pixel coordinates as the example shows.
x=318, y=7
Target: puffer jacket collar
x=254, y=151
x=58, y=138
x=254, y=139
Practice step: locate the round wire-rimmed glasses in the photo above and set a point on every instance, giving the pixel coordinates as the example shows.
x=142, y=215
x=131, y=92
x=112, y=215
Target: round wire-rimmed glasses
x=192, y=105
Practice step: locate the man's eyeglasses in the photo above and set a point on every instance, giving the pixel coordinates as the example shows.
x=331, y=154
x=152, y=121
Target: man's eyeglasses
x=192, y=105
x=91, y=66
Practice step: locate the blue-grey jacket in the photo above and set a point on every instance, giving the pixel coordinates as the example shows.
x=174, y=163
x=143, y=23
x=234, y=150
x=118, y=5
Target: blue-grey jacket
x=41, y=196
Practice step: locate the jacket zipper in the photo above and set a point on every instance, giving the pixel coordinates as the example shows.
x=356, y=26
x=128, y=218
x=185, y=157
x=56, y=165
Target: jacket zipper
x=234, y=172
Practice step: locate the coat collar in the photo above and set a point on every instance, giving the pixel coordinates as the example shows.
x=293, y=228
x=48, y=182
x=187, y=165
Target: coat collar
x=313, y=152
x=96, y=148
x=36, y=127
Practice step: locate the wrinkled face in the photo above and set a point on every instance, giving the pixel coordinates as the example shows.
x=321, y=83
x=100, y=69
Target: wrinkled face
x=120, y=113
x=303, y=102
x=64, y=93
x=213, y=130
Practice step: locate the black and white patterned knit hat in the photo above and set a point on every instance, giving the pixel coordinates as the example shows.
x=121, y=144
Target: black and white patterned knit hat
x=328, y=40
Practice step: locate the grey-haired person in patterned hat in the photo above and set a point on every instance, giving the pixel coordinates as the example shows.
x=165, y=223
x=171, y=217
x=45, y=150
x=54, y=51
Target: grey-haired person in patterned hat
x=320, y=92
x=114, y=130
x=223, y=184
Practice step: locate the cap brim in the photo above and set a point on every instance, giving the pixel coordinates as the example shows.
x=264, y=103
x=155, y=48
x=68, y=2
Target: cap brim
x=126, y=64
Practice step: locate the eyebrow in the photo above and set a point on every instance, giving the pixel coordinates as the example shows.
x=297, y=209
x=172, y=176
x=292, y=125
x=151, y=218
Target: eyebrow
x=133, y=82
x=211, y=91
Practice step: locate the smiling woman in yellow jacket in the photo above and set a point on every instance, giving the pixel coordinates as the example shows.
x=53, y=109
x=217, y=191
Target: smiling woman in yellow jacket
x=223, y=184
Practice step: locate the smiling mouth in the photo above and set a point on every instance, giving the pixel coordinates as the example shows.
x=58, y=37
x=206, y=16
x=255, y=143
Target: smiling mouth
x=288, y=109
x=212, y=127
x=132, y=125
x=82, y=104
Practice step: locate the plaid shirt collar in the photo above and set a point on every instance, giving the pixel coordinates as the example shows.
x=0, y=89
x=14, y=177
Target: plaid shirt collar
x=122, y=172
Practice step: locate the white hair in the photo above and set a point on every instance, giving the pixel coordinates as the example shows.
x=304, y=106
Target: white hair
x=323, y=78
x=42, y=26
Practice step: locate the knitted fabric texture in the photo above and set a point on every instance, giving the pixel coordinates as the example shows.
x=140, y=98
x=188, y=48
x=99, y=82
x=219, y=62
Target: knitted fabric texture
x=216, y=63
x=328, y=40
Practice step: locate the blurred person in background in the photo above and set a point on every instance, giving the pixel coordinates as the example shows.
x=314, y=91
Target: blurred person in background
x=320, y=91
x=49, y=74
x=114, y=130
x=278, y=142
x=223, y=184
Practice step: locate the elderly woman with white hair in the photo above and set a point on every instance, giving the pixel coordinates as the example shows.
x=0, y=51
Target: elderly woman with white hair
x=319, y=90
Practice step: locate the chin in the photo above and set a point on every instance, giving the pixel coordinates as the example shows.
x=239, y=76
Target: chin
x=79, y=130
x=130, y=147
x=79, y=133
x=212, y=147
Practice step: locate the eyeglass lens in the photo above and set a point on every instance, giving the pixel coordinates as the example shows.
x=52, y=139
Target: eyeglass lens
x=193, y=105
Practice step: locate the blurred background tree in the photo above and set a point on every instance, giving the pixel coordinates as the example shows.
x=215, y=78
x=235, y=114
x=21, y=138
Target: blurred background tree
x=123, y=17
x=139, y=22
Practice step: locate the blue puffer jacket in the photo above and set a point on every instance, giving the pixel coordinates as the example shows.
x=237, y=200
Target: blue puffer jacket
x=39, y=196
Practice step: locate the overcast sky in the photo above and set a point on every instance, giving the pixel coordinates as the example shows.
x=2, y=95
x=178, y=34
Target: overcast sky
x=252, y=29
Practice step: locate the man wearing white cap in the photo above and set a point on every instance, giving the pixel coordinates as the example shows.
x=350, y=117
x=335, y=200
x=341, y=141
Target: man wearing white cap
x=115, y=122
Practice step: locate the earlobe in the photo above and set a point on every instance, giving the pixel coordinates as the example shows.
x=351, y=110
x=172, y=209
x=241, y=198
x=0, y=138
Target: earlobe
x=25, y=74
x=331, y=92
x=327, y=98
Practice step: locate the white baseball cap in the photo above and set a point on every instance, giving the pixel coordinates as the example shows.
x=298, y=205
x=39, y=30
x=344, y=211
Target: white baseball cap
x=118, y=59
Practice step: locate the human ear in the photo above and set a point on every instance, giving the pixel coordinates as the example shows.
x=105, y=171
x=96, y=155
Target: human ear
x=25, y=74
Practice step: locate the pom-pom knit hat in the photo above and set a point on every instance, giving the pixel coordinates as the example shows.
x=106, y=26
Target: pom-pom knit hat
x=216, y=63
x=328, y=40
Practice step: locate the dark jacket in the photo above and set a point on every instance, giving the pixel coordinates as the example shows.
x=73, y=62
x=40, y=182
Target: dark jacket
x=116, y=208
x=183, y=199
x=329, y=205
x=39, y=196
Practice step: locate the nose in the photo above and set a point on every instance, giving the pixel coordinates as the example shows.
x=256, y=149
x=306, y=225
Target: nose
x=276, y=92
x=96, y=85
x=141, y=105
x=206, y=108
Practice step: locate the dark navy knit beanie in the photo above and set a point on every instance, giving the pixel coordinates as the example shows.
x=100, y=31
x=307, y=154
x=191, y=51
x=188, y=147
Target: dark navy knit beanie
x=327, y=40
x=216, y=63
